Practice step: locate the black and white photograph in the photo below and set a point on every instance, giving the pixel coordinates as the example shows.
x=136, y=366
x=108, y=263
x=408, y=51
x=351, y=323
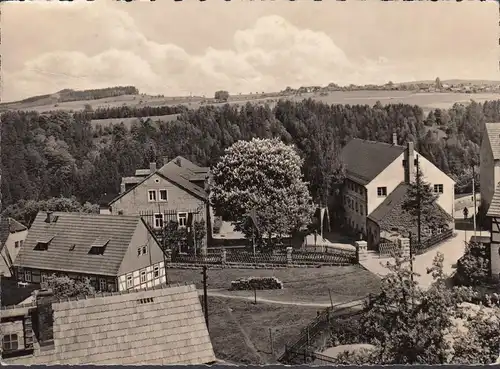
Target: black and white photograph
x=250, y=182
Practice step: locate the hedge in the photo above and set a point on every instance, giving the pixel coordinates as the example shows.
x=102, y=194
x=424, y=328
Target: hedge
x=257, y=283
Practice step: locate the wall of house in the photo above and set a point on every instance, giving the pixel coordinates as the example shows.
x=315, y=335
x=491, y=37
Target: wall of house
x=495, y=249
x=486, y=173
x=132, y=260
x=11, y=243
x=391, y=177
x=372, y=234
x=355, y=205
x=137, y=200
x=14, y=327
x=434, y=175
x=153, y=276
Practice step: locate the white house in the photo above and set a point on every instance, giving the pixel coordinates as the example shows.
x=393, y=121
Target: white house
x=12, y=236
x=377, y=175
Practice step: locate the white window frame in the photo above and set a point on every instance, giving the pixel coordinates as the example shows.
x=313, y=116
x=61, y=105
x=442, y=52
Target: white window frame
x=438, y=187
x=102, y=282
x=154, y=197
x=381, y=190
x=179, y=219
x=8, y=344
x=43, y=277
x=155, y=226
x=159, y=195
x=27, y=276
x=129, y=280
x=142, y=274
x=156, y=271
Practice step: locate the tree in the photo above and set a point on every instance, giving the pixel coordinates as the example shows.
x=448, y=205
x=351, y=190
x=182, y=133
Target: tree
x=262, y=175
x=438, y=83
x=65, y=287
x=221, y=95
x=420, y=203
x=473, y=268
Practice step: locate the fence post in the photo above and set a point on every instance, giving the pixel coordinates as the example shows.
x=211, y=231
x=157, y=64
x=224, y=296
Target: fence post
x=289, y=255
x=223, y=256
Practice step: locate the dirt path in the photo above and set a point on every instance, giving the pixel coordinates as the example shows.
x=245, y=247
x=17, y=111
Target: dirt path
x=219, y=293
x=247, y=339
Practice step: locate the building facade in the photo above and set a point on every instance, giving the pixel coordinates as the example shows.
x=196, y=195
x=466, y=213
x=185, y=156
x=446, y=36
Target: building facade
x=489, y=164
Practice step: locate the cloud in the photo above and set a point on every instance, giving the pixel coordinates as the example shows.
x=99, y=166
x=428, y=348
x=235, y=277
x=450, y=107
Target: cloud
x=267, y=56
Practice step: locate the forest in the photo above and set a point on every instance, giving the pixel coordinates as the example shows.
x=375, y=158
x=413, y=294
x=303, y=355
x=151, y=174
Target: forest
x=63, y=154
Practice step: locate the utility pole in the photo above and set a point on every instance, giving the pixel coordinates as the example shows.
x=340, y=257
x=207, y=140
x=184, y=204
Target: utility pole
x=205, y=297
x=411, y=259
x=419, y=205
x=474, y=195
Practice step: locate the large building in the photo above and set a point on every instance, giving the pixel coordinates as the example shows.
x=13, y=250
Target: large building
x=489, y=167
x=163, y=325
x=12, y=236
x=377, y=175
x=115, y=252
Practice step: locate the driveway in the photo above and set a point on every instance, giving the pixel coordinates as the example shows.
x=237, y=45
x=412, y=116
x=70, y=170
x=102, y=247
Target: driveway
x=452, y=249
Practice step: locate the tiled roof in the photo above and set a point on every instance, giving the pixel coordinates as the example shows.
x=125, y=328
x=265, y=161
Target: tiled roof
x=493, y=132
x=143, y=172
x=81, y=230
x=389, y=215
x=364, y=160
x=494, y=209
x=185, y=163
x=15, y=226
x=160, y=326
x=4, y=230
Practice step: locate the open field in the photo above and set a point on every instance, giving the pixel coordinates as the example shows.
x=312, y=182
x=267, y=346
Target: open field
x=239, y=329
x=300, y=284
x=426, y=100
x=128, y=121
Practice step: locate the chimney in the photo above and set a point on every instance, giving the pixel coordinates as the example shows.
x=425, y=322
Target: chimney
x=50, y=217
x=166, y=160
x=152, y=167
x=44, y=316
x=122, y=187
x=409, y=163
x=394, y=138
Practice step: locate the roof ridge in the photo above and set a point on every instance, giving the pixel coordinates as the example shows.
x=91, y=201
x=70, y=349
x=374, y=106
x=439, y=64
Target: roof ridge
x=92, y=214
x=126, y=292
x=379, y=142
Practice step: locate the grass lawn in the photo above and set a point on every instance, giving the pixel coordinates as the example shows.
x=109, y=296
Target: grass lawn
x=300, y=284
x=239, y=330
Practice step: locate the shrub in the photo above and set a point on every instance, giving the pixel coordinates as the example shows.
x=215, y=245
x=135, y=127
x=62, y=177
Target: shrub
x=473, y=267
x=257, y=283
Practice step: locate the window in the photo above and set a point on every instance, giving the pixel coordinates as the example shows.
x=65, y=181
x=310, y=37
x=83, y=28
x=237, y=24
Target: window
x=102, y=284
x=156, y=271
x=27, y=275
x=438, y=188
x=144, y=250
x=381, y=191
x=21, y=243
x=143, y=276
x=43, y=276
x=182, y=219
x=10, y=342
x=362, y=209
x=130, y=282
x=16, y=244
x=357, y=207
x=139, y=251
x=158, y=218
x=152, y=195
x=163, y=195
x=111, y=286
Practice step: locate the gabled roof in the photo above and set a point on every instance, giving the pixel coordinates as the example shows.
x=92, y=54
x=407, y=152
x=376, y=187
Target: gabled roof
x=15, y=226
x=162, y=325
x=185, y=163
x=81, y=230
x=389, y=215
x=494, y=209
x=4, y=230
x=174, y=177
x=493, y=132
x=364, y=160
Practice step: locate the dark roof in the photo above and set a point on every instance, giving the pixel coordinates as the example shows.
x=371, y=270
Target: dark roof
x=480, y=239
x=162, y=325
x=185, y=163
x=493, y=132
x=15, y=226
x=390, y=216
x=364, y=160
x=81, y=230
x=174, y=176
x=494, y=209
x=4, y=231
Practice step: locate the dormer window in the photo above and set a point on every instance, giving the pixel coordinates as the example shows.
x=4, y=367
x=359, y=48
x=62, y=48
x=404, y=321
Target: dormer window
x=42, y=244
x=98, y=246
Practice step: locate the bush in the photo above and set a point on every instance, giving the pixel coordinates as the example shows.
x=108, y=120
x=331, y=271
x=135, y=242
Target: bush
x=346, y=331
x=473, y=267
x=257, y=283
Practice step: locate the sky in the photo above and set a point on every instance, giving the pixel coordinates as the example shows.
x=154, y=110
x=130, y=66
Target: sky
x=193, y=47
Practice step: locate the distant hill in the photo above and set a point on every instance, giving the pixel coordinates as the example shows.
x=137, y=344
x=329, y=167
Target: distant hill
x=67, y=95
x=469, y=82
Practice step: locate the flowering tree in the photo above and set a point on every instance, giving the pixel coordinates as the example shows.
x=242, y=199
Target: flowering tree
x=64, y=287
x=263, y=175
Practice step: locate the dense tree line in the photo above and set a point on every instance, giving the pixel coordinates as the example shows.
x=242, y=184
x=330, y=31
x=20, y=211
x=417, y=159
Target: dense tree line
x=130, y=112
x=61, y=154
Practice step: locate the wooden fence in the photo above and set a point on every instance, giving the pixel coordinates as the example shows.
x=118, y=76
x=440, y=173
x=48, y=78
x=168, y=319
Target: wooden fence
x=277, y=257
x=298, y=351
x=429, y=242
